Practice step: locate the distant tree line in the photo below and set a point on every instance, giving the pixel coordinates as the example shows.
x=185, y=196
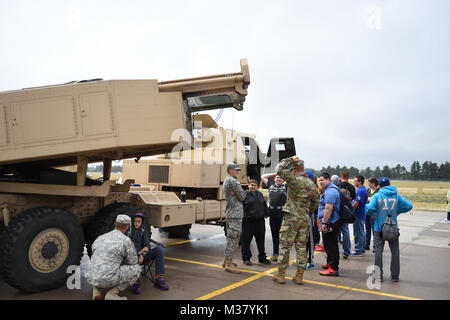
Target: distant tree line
x=99, y=168
x=428, y=170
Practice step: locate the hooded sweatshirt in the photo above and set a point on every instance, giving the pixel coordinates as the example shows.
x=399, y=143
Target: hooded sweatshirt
x=139, y=237
x=384, y=202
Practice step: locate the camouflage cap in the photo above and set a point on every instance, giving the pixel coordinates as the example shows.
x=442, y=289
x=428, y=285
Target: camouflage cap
x=123, y=219
x=233, y=166
x=299, y=163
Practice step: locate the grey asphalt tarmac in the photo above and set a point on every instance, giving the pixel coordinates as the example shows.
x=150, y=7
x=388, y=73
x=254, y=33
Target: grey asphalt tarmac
x=193, y=270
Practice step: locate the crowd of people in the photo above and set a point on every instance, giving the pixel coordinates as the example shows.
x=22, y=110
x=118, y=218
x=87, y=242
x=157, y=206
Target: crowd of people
x=304, y=212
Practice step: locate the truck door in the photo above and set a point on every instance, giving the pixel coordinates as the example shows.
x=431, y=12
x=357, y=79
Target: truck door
x=279, y=149
x=259, y=163
x=254, y=156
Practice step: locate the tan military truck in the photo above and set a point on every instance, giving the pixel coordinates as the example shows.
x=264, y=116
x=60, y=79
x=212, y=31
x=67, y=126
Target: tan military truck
x=200, y=172
x=47, y=214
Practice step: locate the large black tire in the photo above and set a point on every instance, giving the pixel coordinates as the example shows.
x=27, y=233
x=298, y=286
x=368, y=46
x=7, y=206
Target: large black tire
x=38, y=246
x=103, y=221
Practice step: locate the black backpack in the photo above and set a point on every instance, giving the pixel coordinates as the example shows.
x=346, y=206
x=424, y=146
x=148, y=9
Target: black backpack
x=346, y=212
x=277, y=199
x=389, y=230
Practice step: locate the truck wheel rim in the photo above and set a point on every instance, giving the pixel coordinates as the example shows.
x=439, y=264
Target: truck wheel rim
x=48, y=250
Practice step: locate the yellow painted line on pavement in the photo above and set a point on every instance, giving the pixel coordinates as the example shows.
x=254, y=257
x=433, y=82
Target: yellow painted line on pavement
x=233, y=286
x=378, y=293
x=194, y=262
x=191, y=240
x=208, y=264
x=177, y=243
x=359, y=290
x=237, y=284
x=268, y=273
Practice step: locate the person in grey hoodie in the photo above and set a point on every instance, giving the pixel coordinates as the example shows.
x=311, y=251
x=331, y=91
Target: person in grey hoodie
x=335, y=179
x=387, y=202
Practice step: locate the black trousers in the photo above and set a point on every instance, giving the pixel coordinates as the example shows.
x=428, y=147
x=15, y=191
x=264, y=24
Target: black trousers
x=250, y=229
x=330, y=242
x=275, y=225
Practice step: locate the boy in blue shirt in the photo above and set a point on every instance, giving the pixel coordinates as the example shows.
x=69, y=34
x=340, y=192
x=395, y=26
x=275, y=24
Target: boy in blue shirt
x=359, y=205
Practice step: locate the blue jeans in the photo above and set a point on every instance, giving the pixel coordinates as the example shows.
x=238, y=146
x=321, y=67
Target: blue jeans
x=157, y=254
x=369, y=230
x=359, y=235
x=346, y=246
x=395, y=253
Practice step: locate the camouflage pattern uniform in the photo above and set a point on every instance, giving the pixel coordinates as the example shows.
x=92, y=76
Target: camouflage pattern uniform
x=303, y=198
x=114, y=262
x=234, y=211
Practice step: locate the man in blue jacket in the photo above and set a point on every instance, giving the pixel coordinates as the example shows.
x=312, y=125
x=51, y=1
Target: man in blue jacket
x=387, y=202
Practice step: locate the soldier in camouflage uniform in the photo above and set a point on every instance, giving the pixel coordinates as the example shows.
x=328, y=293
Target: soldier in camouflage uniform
x=234, y=210
x=114, y=262
x=302, y=199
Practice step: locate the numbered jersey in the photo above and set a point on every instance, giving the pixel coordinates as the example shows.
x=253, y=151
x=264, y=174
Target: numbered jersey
x=387, y=206
x=386, y=202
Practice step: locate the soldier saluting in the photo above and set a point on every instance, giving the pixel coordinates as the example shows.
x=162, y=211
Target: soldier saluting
x=234, y=210
x=302, y=199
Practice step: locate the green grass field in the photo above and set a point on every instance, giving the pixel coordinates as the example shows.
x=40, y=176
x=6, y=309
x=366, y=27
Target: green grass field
x=425, y=195
x=97, y=175
x=442, y=185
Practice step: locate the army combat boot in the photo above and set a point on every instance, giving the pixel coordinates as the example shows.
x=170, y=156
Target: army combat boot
x=231, y=267
x=96, y=294
x=280, y=276
x=298, y=279
x=113, y=294
x=224, y=263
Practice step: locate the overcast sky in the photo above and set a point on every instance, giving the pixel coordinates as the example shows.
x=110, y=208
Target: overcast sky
x=355, y=82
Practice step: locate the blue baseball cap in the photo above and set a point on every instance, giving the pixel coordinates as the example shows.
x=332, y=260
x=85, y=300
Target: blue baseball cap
x=384, y=182
x=310, y=174
x=139, y=214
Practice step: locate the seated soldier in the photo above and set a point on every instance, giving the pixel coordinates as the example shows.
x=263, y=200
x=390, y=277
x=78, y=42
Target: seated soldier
x=141, y=239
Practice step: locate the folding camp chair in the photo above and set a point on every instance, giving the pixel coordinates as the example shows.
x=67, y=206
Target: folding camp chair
x=147, y=270
x=147, y=267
